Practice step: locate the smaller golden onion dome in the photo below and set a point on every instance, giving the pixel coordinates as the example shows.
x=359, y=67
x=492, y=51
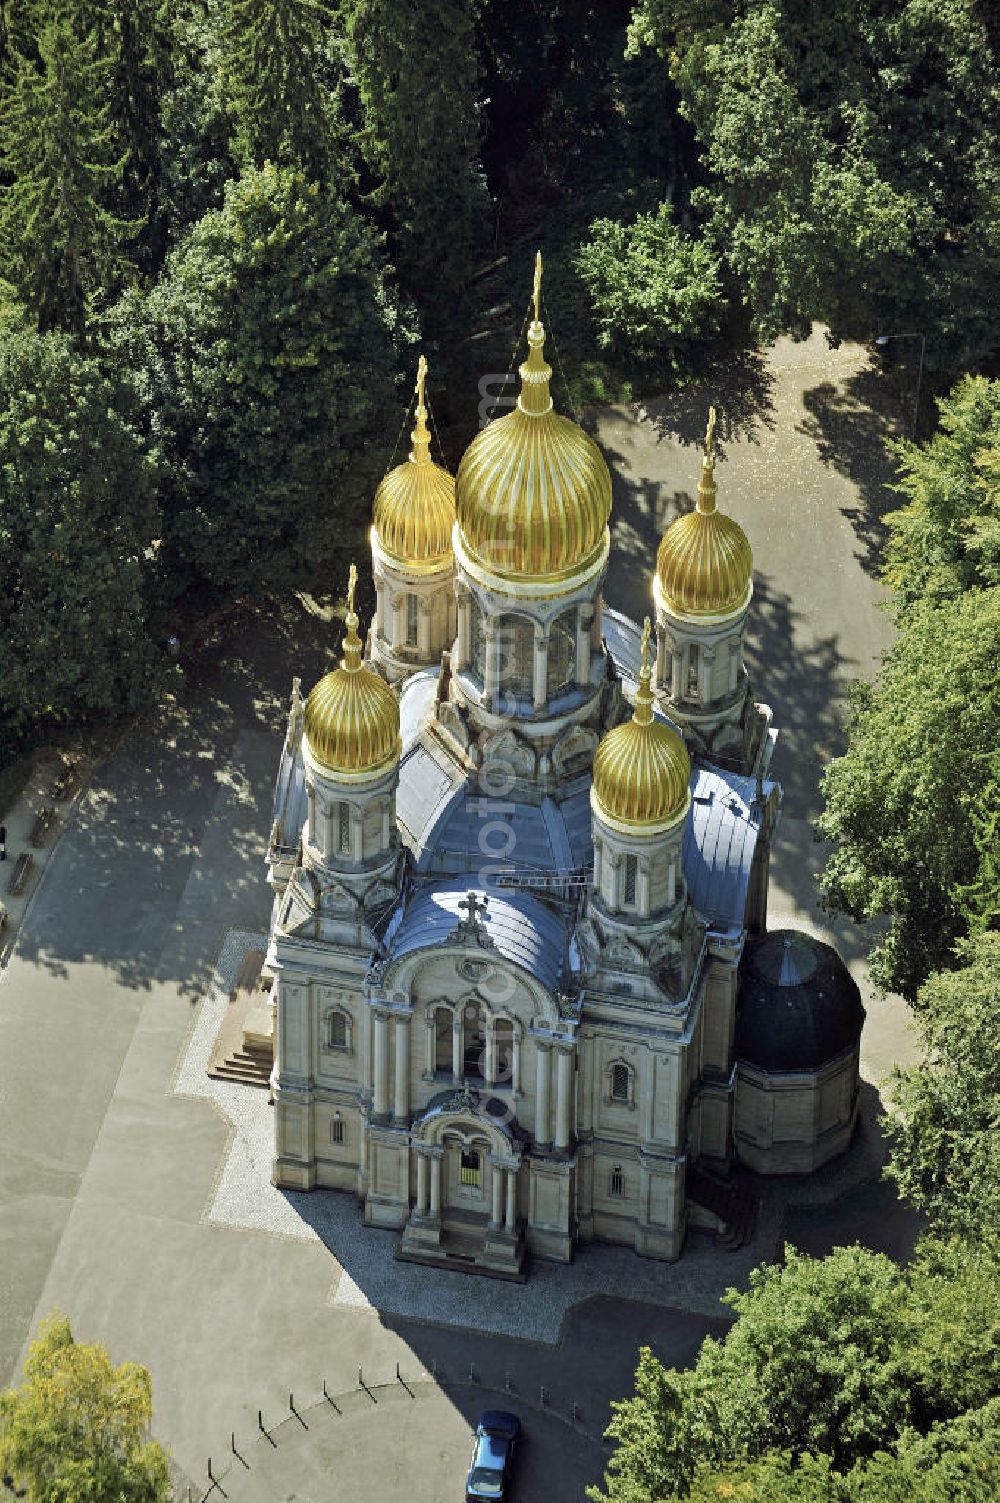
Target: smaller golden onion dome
x=533, y=493
x=351, y=716
x=704, y=566
x=414, y=511
x=642, y=769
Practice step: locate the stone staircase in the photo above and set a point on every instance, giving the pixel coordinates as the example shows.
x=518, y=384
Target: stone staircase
x=249, y=1064
x=732, y=1201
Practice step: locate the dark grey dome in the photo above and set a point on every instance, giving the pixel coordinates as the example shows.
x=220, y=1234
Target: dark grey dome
x=798, y=1005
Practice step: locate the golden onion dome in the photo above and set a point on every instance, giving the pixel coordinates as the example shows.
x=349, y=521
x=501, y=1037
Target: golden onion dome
x=642, y=769
x=533, y=493
x=352, y=717
x=414, y=511
x=704, y=566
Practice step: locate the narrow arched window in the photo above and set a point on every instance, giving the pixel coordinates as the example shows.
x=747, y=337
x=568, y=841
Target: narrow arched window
x=629, y=884
x=620, y=1083
x=412, y=615
x=562, y=654
x=471, y=1169
x=517, y=657
x=336, y=1030
x=617, y=1184
x=443, y=1029
x=692, y=674
x=343, y=829
x=477, y=640
x=337, y=1130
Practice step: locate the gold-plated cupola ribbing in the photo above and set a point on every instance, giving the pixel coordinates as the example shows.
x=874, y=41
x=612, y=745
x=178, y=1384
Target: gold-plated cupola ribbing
x=533, y=493
x=351, y=716
x=642, y=769
x=414, y=511
x=704, y=566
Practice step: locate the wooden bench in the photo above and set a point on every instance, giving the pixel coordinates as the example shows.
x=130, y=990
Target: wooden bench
x=249, y=978
x=19, y=876
x=65, y=782
x=44, y=820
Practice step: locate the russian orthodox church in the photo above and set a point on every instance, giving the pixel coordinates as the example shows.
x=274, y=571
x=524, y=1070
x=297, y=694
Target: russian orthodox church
x=524, y=993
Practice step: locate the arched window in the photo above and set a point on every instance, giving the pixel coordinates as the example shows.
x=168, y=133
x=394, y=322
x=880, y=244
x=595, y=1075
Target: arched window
x=412, y=617
x=473, y=1043
x=338, y=1030
x=629, y=884
x=503, y=1039
x=337, y=1134
x=443, y=1028
x=471, y=1171
x=692, y=678
x=477, y=640
x=621, y=1083
x=616, y=1186
x=343, y=828
x=562, y=654
x=517, y=657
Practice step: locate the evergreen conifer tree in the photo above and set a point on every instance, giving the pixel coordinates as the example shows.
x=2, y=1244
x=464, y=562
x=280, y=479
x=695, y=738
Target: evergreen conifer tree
x=416, y=68
x=274, y=60
x=62, y=247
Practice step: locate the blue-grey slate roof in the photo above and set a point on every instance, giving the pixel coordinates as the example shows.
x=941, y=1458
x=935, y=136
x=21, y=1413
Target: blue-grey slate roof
x=719, y=843
x=523, y=930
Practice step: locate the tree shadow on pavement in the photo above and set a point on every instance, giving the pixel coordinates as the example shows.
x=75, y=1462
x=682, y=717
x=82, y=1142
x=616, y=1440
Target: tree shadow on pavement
x=741, y=389
x=850, y=425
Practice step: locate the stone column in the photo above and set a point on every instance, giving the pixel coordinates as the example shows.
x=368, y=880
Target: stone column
x=734, y=666
x=705, y=674
x=671, y=879
x=379, y=606
x=564, y=1094
x=510, y=1210
x=598, y=856
x=497, y=1208
x=676, y=673
x=397, y=629
x=381, y=1102
x=421, y=1183
x=490, y=1061
x=585, y=1119
x=581, y=667
x=661, y=660
x=430, y=1044
x=311, y=799
x=456, y=1046
x=491, y=666
x=543, y=1129
x=357, y=834
x=540, y=669
x=401, y=1108
x=436, y=1183
x=386, y=826
x=515, y=1061
x=642, y=888
x=423, y=627
x=596, y=626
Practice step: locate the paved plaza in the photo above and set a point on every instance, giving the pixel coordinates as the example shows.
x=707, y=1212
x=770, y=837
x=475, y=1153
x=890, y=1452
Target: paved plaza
x=134, y=1192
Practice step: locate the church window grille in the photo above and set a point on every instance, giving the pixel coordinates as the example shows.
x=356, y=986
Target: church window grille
x=337, y=1130
x=617, y=1186
x=477, y=640
x=412, y=613
x=620, y=1082
x=562, y=654
x=517, y=657
x=344, y=829
x=473, y=1044
x=471, y=1171
x=692, y=676
x=336, y=1030
x=503, y=1035
x=631, y=877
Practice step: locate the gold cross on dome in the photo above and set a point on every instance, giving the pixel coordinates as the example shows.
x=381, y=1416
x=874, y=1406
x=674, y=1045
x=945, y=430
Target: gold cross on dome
x=352, y=580
x=421, y=378
x=476, y=906
x=536, y=295
x=710, y=436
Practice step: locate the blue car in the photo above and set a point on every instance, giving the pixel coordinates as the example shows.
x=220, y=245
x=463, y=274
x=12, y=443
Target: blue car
x=492, y=1457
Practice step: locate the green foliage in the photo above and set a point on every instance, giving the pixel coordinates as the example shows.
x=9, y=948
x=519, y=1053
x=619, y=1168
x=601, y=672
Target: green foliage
x=655, y=291
x=843, y=1379
x=946, y=539
x=195, y=154
x=901, y=804
x=853, y=151
x=945, y=1124
x=78, y=1428
x=270, y=351
x=63, y=248
x=76, y=516
x=273, y=59
x=416, y=70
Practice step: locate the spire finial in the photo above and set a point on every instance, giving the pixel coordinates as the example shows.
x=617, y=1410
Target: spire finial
x=706, y=485
x=643, y=714
x=536, y=295
x=534, y=373
x=352, y=642
x=420, y=436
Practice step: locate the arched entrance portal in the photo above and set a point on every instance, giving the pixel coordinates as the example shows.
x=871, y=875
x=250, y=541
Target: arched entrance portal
x=465, y=1166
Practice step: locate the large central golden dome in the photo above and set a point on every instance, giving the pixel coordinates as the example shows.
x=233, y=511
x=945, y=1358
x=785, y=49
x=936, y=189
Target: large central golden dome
x=704, y=566
x=414, y=512
x=351, y=715
x=533, y=493
x=642, y=769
